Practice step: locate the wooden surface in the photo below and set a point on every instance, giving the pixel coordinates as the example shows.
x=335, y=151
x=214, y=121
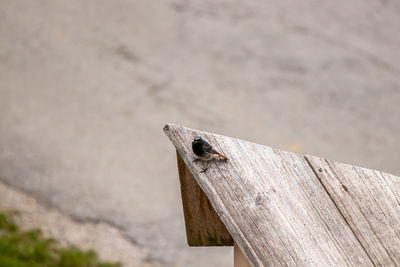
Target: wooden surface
x=369, y=201
x=239, y=259
x=280, y=211
x=203, y=225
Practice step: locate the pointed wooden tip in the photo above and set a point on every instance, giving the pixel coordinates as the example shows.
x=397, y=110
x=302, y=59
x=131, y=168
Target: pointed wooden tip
x=203, y=225
x=168, y=126
x=283, y=208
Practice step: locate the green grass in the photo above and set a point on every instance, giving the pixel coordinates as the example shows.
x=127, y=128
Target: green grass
x=29, y=248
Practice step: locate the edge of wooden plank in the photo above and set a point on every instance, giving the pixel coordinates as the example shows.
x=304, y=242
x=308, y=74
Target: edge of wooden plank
x=239, y=259
x=203, y=225
x=215, y=201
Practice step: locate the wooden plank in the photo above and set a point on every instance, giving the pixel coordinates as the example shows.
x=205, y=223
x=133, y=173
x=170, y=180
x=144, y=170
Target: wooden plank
x=272, y=204
x=203, y=226
x=369, y=201
x=239, y=259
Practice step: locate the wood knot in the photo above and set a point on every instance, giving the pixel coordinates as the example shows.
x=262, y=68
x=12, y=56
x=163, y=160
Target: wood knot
x=259, y=200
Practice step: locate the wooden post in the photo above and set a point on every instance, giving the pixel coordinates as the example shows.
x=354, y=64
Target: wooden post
x=203, y=225
x=239, y=260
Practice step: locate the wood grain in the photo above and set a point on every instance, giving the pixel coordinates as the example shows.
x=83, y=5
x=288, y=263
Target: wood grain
x=203, y=225
x=272, y=203
x=369, y=201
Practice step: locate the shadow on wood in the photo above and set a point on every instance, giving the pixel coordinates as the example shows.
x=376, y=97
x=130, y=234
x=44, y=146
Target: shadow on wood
x=203, y=226
x=239, y=260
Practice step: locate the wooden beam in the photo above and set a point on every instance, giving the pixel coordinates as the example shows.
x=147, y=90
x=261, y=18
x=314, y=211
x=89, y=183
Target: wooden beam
x=203, y=225
x=272, y=203
x=239, y=259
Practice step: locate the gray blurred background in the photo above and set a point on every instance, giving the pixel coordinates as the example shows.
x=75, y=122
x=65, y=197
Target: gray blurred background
x=87, y=86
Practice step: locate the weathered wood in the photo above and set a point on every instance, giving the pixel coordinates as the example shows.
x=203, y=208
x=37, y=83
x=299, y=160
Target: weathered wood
x=369, y=201
x=272, y=203
x=239, y=259
x=203, y=225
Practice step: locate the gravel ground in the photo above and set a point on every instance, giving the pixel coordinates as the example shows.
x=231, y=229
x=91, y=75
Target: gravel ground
x=86, y=87
x=106, y=240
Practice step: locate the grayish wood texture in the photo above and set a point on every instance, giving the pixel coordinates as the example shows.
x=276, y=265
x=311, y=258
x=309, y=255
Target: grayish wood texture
x=279, y=213
x=369, y=201
x=203, y=225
